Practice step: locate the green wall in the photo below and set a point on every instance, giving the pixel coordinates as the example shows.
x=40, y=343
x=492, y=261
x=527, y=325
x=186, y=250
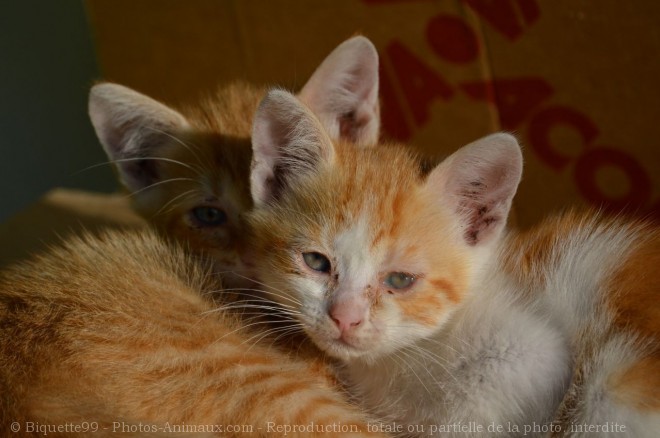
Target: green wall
x=46, y=67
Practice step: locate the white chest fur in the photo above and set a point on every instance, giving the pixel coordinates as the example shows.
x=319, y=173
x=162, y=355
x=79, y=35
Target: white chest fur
x=496, y=367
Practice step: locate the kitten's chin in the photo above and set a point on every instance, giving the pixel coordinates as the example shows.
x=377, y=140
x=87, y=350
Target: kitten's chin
x=339, y=349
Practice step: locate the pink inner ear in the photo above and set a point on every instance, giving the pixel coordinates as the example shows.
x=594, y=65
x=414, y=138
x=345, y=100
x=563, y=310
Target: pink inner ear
x=354, y=125
x=132, y=126
x=343, y=92
x=481, y=180
x=287, y=142
x=481, y=218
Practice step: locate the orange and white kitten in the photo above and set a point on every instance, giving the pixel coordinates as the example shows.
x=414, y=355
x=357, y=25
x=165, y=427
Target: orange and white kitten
x=442, y=320
x=118, y=335
x=188, y=173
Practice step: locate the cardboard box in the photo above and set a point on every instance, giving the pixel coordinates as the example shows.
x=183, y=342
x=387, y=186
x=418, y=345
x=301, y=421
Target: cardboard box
x=577, y=81
x=59, y=214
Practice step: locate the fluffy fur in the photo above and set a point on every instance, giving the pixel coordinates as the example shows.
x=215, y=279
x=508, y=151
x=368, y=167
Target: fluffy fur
x=559, y=326
x=120, y=332
x=125, y=333
x=176, y=162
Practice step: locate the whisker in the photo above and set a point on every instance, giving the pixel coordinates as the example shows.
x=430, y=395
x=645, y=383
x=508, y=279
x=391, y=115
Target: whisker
x=291, y=330
x=263, y=335
x=251, y=306
x=181, y=195
x=269, y=288
x=128, y=160
x=157, y=184
x=435, y=361
x=258, y=297
x=411, y=369
x=182, y=143
x=242, y=327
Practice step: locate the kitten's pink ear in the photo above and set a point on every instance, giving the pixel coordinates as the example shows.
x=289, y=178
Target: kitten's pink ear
x=288, y=143
x=343, y=92
x=131, y=128
x=479, y=182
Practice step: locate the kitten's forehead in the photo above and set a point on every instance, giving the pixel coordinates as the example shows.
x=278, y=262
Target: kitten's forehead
x=352, y=245
x=371, y=197
x=376, y=183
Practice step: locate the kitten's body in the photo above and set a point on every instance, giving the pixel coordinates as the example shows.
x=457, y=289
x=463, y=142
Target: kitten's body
x=543, y=339
x=438, y=317
x=597, y=278
x=121, y=333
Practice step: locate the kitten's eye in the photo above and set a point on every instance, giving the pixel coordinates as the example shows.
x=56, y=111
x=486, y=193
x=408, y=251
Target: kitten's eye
x=399, y=280
x=209, y=216
x=317, y=261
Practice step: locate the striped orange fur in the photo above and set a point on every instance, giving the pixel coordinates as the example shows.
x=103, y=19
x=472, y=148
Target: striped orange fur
x=127, y=332
x=633, y=299
x=123, y=330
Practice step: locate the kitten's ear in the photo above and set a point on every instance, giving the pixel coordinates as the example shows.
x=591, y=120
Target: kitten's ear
x=343, y=92
x=479, y=182
x=131, y=128
x=288, y=142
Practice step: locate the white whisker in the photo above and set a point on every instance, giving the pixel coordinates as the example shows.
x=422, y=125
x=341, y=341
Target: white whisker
x=159, y=183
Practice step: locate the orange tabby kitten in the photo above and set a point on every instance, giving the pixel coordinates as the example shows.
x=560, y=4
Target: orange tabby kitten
x=188, y=174
x=443, y=321
x=119, y=336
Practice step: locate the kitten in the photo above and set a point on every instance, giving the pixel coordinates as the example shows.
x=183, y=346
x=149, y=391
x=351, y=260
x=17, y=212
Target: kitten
x=118, y=336
x=188, y=174
x=442, y=320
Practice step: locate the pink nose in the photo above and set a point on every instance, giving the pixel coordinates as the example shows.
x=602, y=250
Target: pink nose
x=346, y=317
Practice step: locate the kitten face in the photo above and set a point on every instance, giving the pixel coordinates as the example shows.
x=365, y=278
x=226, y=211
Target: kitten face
x=186, y=172
x=363, y=254
x=356, y=244
x=200, y=196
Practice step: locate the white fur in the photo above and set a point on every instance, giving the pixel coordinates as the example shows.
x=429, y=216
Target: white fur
x=598, y=405
x=496, y=361
x=479, y=182
x=130, y=126
x=357, y=264
x=347, y=83
x=286, y=138
x=506, y=359
x=574, y=296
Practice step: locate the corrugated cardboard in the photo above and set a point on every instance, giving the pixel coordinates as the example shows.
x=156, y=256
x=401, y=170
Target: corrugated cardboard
x=577, y=81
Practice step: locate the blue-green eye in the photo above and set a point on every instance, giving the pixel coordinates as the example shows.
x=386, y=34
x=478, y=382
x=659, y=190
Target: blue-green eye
x=399, y=280
x=209, y=216
x=317, y=261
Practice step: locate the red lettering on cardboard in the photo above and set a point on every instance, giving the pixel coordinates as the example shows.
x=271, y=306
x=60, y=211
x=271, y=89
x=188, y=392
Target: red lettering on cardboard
x=451, y=39
x=515, y=98
x=509, y=17
x=393, y=120
x=420, y=84
x=587, y=166
x=545, y=120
